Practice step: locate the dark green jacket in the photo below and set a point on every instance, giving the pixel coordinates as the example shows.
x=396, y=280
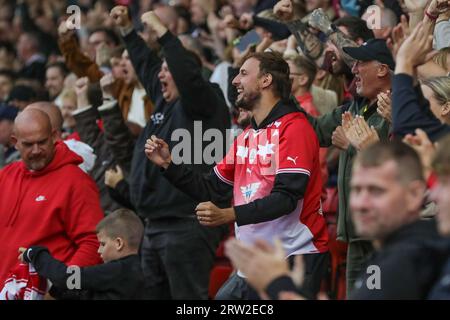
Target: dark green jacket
x=324, y=127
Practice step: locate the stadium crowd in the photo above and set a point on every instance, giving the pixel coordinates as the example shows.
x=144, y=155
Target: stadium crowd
x=224, y=149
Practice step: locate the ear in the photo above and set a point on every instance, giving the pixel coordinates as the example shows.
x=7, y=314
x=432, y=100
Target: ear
x=54, y=136
x=266, y=80
x=445, y=111
x=14, y=141
x=303, y=80
x=415, y=195
x=383, y=71
x=386, y=32
x=120, y=243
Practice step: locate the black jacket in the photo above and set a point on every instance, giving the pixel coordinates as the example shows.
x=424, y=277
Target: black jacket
x=441, y=289
x=90, y=133
x=152, y=195
x=120, y=279
x=410, y=261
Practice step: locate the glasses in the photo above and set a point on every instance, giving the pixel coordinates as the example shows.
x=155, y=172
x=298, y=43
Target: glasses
x=295, y=74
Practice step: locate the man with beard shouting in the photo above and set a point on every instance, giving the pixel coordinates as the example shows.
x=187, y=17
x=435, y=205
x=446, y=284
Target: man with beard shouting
x=271, y=172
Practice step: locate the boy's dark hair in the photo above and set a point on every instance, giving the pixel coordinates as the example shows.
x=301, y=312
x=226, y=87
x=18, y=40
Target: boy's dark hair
x=274, y=64
x=357, y=28
x=125, y=224
x=61, y=66
x=110, y=34
x=408, y=162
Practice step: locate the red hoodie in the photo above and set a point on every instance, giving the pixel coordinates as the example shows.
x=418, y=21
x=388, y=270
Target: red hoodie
x=57, y=207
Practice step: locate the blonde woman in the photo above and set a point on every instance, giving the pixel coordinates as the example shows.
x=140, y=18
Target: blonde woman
x=437, y=92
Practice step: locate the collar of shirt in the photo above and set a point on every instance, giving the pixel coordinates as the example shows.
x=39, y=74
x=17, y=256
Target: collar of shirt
x=281, y=108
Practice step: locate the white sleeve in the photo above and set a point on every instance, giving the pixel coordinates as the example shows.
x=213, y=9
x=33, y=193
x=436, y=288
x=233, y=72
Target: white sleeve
x=442, y=35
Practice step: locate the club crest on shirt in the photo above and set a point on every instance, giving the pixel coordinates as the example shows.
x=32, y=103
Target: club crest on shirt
x=157, y=118
x=250, y=190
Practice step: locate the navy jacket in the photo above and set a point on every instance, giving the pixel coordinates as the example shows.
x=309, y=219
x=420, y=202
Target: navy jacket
x=410, y=110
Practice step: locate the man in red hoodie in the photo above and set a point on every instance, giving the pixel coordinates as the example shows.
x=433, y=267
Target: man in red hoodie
x=46, y=198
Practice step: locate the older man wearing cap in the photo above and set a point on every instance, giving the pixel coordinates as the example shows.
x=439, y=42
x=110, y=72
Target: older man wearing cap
x=8, y=153
x=373, y=70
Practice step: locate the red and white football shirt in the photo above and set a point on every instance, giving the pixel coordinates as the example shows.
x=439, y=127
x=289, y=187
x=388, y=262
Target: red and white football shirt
x=288, y=145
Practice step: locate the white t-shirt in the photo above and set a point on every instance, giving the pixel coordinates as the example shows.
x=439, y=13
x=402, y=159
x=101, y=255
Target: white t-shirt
x=220, y=76
x=136, y=113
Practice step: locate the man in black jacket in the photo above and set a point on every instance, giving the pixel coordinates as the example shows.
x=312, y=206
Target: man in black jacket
x=177, y=252
x=272, y=171
x=119, y=278
x=387, y=191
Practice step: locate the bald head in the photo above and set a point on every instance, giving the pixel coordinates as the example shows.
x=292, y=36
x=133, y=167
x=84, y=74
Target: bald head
x=34, y=138
x=32, y=119
x=53, y=112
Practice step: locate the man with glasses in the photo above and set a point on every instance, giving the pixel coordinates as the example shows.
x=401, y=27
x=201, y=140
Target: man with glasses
x=302, y=73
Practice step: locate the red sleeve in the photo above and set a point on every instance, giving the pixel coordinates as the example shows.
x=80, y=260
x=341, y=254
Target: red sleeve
x=431, y=181
x=82, y=216
x=224, y=170
x=298, y=148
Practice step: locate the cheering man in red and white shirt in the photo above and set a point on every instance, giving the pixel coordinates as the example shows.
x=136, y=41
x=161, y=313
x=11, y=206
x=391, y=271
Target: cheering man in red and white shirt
x=271, y=173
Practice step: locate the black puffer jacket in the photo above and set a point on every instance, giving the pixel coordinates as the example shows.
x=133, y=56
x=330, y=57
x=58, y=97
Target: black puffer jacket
x=409, y=263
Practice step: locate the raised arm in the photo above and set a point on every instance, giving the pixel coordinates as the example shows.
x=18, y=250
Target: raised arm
x=75, y=60
x=116, y=133
x=319, y=20
x=86, y=116
x=410, y=110
x=145, y=61
x=284, y=10
x=198, y=96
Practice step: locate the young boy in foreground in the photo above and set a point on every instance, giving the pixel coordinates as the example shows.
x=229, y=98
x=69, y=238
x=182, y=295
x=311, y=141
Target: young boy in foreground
x=120, y=277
